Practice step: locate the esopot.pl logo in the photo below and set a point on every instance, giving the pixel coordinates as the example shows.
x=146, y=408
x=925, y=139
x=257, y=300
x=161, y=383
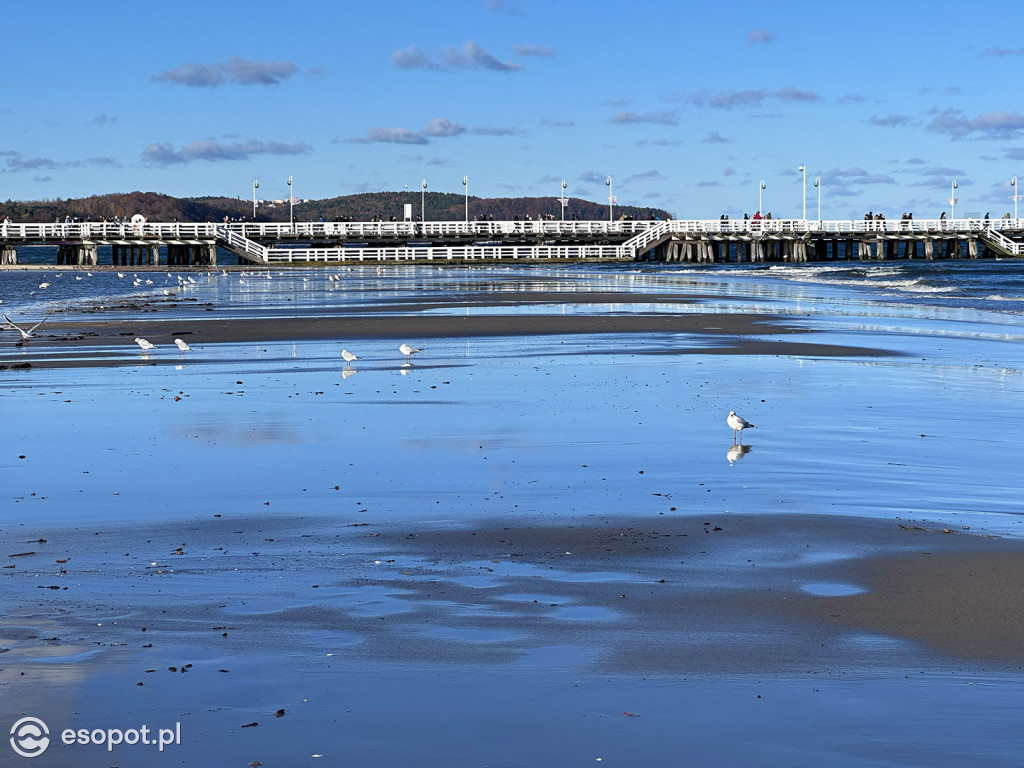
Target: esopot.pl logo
x=30, y=737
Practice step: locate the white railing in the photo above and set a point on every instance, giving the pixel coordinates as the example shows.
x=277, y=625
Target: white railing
x=321, y=229
x=237, y=243
x=104, y=231
x=642, y=242
x=461, y=253
x=411, y=229
x=758, y=227
x=1010, y=246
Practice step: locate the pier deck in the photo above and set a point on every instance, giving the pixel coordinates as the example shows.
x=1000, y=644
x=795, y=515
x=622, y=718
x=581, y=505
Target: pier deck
x=699, y=241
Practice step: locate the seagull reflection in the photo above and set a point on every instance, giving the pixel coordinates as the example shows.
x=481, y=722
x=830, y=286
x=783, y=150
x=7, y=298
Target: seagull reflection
x=406, y=367
x=737, y=451
x=347, y=371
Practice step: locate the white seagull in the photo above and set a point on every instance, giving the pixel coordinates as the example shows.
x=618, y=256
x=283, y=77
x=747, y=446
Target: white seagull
x=25, y=334
x=181, y=345
x=347, y=356
x=408, y=351
x=737, y=424
x=146, y=345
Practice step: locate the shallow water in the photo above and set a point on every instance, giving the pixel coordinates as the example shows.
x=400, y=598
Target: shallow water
x=522, y=426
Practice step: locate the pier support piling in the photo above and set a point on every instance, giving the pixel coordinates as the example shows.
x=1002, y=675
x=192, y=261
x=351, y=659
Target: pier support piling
x=78, y=254
x=188, y=254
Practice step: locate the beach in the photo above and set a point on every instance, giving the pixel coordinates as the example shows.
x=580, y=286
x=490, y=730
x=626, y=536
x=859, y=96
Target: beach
x=534, y=543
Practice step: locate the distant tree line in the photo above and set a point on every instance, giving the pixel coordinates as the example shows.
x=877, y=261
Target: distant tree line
x=440, y=206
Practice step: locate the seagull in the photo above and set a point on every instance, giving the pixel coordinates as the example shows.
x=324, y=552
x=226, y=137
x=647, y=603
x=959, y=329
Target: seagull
x=146, y=345
x=408, y=351
x=738, y=424
x=181, y=345
x=347, y=356
x=44, y=285
x=25, y=334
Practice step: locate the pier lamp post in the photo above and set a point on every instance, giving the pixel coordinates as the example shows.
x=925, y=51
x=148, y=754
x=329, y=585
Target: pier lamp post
x=465, y=183
x=761, y=188
x=817, y=185
x=803, y=170
x=1016, y=197
x=952, y=199
x=611, y=198
x=423, y=202
x=255, y=186
x=564, y=185
x=291, y=205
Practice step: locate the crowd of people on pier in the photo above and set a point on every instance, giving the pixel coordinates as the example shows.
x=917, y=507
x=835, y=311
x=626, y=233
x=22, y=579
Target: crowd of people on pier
x=875, y=219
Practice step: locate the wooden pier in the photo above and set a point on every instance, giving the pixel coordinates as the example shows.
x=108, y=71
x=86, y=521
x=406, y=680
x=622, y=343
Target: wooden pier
x=691, y=241
x=796, y=240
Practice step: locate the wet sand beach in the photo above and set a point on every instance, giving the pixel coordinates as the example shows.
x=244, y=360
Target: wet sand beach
x=314, y=615
x=537, y=544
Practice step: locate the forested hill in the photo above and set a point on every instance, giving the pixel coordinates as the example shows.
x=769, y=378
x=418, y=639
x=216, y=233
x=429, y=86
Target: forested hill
x=440, y=206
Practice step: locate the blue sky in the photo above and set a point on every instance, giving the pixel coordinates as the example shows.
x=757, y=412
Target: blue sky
x=686, y=105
